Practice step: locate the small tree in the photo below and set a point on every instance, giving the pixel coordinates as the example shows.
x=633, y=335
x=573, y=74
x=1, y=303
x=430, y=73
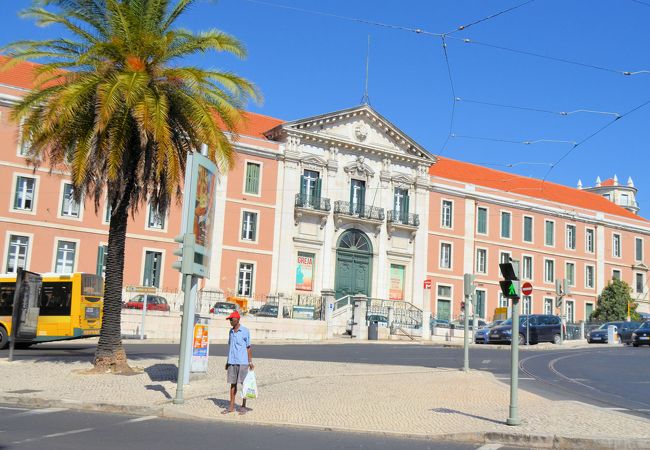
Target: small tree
x=613, y=303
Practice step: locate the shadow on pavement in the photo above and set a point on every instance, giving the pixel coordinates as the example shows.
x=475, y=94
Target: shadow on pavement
x=162, y=372
x=454, y=411
x=158, y=388
x=219, y=403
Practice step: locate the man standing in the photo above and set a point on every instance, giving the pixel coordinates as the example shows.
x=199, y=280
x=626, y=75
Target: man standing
x=240, y=359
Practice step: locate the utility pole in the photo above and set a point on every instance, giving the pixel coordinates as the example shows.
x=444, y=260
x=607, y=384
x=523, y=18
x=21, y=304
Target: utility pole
x=469, y=289
x=562, y=289
x=511, y=289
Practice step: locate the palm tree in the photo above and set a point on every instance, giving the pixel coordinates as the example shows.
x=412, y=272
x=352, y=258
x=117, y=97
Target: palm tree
x=115, y=105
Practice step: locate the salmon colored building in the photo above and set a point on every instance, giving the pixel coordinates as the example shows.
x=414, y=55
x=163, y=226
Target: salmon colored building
x=343, y=201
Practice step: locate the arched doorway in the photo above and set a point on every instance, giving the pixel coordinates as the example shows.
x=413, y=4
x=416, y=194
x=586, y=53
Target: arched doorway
x=353, y=264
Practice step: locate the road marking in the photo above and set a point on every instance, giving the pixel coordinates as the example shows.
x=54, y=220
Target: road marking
x=486, y=361
x=521, y=378
x=11, y=408
x=41, y=411
x=490, y=447
x=615, y=409
x=65, y=433
x=141, y=419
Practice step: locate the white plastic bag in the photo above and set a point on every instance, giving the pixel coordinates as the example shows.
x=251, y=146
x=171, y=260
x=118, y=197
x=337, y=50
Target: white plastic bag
x=249, y=387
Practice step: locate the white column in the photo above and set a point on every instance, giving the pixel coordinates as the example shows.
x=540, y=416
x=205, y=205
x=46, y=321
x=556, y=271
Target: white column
x=327, y=269
x=384, y=200
x=420, y=245
x=601, y=278
x=286, y=255
x=277, y=225
x=214, y=282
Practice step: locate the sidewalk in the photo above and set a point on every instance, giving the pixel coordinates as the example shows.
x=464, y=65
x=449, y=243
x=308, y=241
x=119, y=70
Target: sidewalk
x=394, y=400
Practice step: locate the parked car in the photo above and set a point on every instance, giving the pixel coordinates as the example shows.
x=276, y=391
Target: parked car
x=543, y=328
x=482, y=335
x=440, y=323
x=154, y=303
x=625, y=330
x=641, y=336
x=253, y=311
x=270, y=310
x=224, y=308
x=460, y=324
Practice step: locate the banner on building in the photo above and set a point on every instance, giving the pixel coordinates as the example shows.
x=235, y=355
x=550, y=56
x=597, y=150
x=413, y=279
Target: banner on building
x=396, y=291
x=305, y=272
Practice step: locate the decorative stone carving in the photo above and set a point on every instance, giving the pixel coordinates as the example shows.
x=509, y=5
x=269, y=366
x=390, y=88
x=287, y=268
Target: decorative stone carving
x=359, y=167
x=361, y=131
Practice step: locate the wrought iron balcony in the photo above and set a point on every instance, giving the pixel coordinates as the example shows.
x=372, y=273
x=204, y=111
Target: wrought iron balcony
x=360, y=211
x=397, y=218
x=311, y=202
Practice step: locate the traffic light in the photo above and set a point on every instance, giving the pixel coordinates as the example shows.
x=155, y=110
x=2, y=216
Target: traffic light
x=186, y=253
x=468, y=284
x=510, y=287
x=462, y=306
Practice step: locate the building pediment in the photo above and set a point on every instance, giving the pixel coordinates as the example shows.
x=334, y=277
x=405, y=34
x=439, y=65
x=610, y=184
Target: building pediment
x=360, y=128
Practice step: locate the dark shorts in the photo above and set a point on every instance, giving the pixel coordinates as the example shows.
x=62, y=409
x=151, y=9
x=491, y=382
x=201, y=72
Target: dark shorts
x=237, y=373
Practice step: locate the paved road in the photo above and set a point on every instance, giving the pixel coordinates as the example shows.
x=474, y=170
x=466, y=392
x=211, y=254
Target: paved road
x=54, y=429
x=608, y=377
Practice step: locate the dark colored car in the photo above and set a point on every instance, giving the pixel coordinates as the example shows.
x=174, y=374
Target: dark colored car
x=440, y=323
x=154, y=303
x=641, y=336
x=625, y=330
x=271, y=311
x=482, y=335
x=542, y=328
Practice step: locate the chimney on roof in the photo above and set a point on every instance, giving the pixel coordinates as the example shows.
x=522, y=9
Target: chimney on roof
x=630, y=183
x=615, y=180
x=598, y=181
x=579, y=184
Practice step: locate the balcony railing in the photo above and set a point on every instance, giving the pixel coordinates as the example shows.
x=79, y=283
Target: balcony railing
x=311, y=202
x=361, y=211
x=396, y=217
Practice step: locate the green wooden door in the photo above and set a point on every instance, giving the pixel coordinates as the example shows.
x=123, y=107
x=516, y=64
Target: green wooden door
x=443, y=310
x=353, y=264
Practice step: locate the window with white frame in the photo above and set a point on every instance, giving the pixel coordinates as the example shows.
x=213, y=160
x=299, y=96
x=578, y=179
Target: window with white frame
x=527, y=268
x=527, y=305
x=571, y=237
x=447, y=214
x=479, y=303
x=570, y=273
x=549, y=271
x=17, y=253
x=549, y=233
x=638, y=249
x=102, y=254
x=548, y=306
x=108, y=211
x=69, y=208
x=249, y=226
x=481, y=260
x=589, y=240
x=616, y=245
x=24, y=197
x=156, y=220
x=245, y=279
x=528, y=229
x=504, y=257
x=616, y=274
x=445, y=255
x=570, y=311
x=252, y=181
x=482, y=220
x=503, y=302
x=152, y=268
x=506, y=222
x=589, y=277
x=639, y=283
x=625, y=200
x=25, y=143
x=65, y=256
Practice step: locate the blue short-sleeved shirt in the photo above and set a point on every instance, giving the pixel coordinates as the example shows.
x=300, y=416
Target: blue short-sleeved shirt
x=238, y=343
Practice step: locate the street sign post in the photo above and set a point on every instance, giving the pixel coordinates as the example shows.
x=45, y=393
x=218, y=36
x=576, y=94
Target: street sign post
x=511, y=289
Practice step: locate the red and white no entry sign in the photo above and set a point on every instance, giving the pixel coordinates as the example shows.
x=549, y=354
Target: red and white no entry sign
x=526, y=288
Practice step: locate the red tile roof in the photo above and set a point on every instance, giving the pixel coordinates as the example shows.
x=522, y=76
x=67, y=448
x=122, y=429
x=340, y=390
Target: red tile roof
x=608, y=182
x=257, y=124
x=532, y=187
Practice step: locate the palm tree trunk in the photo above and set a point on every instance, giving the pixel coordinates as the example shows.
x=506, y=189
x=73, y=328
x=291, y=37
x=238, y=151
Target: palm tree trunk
x=110, y=355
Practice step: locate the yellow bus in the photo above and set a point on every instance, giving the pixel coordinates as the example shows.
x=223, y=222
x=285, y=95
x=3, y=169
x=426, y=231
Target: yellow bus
x=70, y=307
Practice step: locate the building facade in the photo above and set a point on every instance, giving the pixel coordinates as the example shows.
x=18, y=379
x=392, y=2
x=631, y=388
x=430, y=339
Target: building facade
x=343, y=201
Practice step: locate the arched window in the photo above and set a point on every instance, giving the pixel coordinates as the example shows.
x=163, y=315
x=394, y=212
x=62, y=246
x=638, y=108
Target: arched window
x=355, y=240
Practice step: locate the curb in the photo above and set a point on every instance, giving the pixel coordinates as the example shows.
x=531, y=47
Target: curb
x=527, y=440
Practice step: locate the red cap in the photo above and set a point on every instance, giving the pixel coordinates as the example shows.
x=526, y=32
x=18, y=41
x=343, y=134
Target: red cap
x=233, y=315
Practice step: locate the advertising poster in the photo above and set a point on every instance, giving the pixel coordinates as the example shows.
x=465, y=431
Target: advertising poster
x=305, y=272
x=204, y=207
x=200, y=347
x=25, y=306
x=396, y=291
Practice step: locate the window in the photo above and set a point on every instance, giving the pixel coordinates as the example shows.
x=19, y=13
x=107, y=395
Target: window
x=548, y=306
x=249, y=226
x=252, y=185
x=443, y=303
x=506, y=218
x=589, y=240
x=589, y=309
x=616, y=274
x=570, y=273
x=607, y=196
x=527, y=306
x=528, y=229
x=65, y=255
x=638, y=249
x=639, y=283
x=24, y=198
x=25, y=143
x=245, y=279
x=17, y=253
x=152, y=268
x=571, y=237
x=401, y=205
x=616, y=245
x=527, y=268
x=310, y=188
x=108, y=211
x=55, y=299
x=479, y=304
x=589, y=277
x=69, y=208
x=625, y=200
x=155, y=220
x=503, y=302
x=549, y=271
x=570, y=311
x=482, y=220
x=504, y=257
x=445, y=255
x=447, y=214
x=549, y=233
x=357, y=196
x=102, y=253
x=481, y=260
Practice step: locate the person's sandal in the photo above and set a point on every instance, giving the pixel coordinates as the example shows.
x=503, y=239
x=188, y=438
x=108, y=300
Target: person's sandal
x=227, y=411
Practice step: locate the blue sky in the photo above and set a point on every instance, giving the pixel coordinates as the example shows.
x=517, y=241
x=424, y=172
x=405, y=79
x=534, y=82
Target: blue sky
x=308, y=64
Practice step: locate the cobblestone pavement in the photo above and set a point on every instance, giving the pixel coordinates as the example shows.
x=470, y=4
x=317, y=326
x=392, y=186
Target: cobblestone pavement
x=357, y=397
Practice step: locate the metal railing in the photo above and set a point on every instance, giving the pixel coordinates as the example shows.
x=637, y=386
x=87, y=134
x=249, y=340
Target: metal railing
x=361, y=211
x=342, y=302
x=405, y=314
x=311, y=202
x=315, y=301
x=395, y=216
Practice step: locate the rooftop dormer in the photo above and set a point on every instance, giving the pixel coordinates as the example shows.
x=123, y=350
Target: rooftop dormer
x=622, y=194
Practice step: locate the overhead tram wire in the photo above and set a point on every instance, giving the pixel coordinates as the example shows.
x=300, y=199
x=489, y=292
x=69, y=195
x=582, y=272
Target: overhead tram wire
x=540, y=110
x=453, y=94
x=492, y=16
x=512, y=141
